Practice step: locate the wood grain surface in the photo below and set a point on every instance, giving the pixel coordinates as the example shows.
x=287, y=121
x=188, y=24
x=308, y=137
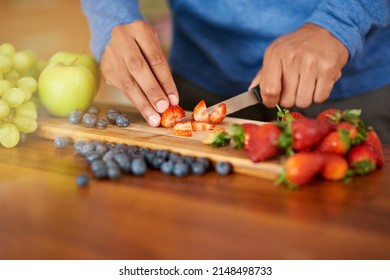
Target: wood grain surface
x=44, y=215
x=140, y=133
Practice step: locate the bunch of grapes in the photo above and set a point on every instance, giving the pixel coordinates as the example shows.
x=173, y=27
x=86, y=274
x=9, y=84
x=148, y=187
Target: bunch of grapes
x=19, y=72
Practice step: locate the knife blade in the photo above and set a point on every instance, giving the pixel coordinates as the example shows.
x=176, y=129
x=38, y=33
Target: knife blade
x=236, y=103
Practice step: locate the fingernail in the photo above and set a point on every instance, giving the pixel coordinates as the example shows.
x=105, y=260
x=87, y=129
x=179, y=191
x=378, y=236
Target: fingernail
x=161, y=106
x=173, y=99
x=154, y=120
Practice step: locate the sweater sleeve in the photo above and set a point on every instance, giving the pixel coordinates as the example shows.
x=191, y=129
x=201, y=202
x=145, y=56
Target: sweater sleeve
x=351, y=20
x=103, y=16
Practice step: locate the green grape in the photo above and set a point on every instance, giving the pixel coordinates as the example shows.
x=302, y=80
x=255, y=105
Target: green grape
x=22, y=61
x=14, y=97
x=7, y=49
x=5, y=63
x=27, y=111
x=28, y=84
x=9, y=135
x=12, y=76
x=25, y=124
x=29, y=104
x=4, y=85
x=4, y=109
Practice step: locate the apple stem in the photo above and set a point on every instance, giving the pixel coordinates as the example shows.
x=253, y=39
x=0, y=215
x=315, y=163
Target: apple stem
x=74, y=61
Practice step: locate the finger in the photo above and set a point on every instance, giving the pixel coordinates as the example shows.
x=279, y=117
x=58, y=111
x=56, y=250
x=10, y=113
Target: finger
x=119, y=77
x=290, y=81
x=271, y=79
x=322, y=90
x=306, y=88
x=150, y=48
x=140, y=71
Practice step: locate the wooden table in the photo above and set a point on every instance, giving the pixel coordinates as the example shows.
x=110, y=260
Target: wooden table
x=44, y=215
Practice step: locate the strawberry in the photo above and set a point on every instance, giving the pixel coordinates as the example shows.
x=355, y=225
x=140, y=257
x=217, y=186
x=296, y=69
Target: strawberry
x=362, y=159
x=331, y=115
x=182, y=129
x=263, y=142
x=373, y=140
x=334, y=167
x=305, y=133
x=336, y=142
x=248, y=127
x=218, y=138
x=300, y=169
x=201, y=126
x=171, y=115
x=218, y=114
x=200, y=113
x=287, y=115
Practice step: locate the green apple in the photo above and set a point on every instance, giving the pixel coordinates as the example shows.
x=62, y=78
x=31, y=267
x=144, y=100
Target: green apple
x=79, y=59
x=63, y=87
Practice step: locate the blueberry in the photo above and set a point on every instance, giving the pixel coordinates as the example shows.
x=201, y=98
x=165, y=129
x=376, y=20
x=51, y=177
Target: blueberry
x=99, y=168
x=173, y=156
x=123, y=161
x=122, y=121
x=181, y=169
x=82, y=180
x=86, y=148
x=162, y=153
x=78, y=146
x=197, y=168
x=189, y=159
x=112, y=115
x=132, y=150
x=101, y=123
x=91, y=156
x=138, y=166
x=108, y=156
x=223, y=168
x=156, y=162
x=93, y=110
x=89, y=120
x=76, y=116
x=61, y=142
x=167, y=167
x=113, y=170
x=100, y=148
x=119, y=148
x=205, y=161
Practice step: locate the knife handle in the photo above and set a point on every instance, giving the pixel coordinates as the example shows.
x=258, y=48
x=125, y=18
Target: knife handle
x=256, y=91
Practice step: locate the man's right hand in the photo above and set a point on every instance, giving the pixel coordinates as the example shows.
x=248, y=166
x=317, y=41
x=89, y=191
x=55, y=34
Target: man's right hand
x=134, y=63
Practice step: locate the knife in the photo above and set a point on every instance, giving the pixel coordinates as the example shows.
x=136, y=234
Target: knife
x=236, y=103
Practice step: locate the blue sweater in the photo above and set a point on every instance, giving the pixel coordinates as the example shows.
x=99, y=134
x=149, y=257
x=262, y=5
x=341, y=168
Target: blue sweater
x=219, y=44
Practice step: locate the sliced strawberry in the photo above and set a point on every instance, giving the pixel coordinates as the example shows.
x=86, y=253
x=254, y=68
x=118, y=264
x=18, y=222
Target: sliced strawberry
x=334, y=167
x=200, y=113
x=202, y=126
x=218, y=114
x=248, y=127
x=332, y=115
x=217, y=138
x=182, y=129
x=171, y=115
x=263, y=142
x=374, y=141
x=336, y=142
x=300, y=169
x=362, y=159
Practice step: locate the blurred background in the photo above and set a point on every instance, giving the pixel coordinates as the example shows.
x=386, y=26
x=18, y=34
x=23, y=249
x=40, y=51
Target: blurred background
x=49, y=26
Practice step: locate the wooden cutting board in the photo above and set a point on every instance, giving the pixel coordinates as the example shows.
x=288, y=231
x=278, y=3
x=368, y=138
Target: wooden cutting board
x=141, y=134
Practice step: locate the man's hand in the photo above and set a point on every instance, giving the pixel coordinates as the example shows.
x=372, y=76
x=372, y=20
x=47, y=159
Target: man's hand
x=301, y=67
x=134, y=63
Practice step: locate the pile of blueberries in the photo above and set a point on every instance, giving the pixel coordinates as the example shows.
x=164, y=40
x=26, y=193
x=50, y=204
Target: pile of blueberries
x=91, y=118
x=112, y=161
